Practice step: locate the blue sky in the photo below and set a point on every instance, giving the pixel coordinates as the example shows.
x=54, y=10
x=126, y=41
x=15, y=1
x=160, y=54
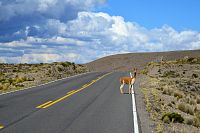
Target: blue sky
x=35, y=31
x=180, y=14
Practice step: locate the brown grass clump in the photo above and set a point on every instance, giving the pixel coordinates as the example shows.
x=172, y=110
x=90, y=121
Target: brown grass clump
x=168, y=91
x=189, y=121
x=186, y=108
x=198, y=100
x=181, y=107
x=166, y=119
x=196, y=121
x=144, y=71
x=170, y=74
x=178, y=94
x=192, y=102
x=4, y=86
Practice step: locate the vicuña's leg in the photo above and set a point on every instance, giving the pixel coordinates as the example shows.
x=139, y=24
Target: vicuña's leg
x=129, y=88
x=121, y=87
x=132, y=86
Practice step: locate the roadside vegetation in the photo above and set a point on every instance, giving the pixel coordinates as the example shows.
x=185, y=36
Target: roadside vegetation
x=172, y=95
x=19, y=76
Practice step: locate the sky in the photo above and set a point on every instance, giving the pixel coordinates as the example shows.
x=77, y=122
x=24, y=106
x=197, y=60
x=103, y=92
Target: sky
x=80, y=31
x=180, y=14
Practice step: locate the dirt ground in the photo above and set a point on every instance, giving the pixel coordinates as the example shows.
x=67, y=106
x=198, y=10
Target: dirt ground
x=171, y=93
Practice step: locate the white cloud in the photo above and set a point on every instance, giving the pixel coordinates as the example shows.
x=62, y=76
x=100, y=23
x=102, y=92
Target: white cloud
x=93, y=35
x=53, y=9
x=37, y=58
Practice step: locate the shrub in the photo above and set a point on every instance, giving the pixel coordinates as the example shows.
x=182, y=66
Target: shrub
x=66, y=64
x=167, y=91
x=189, y=109
x=186, y=108
x=166, y=119
x=1, y=87
x=170, y=104
x=173, y=117
x=189, y=121
x=192, y=102
x=144, y=71
x=181, y=107
x=4, y=86
x=172, y=74
x=198, y=100
x=178, y=94
x=59, y=68
x=196, y=122
x=194, y=75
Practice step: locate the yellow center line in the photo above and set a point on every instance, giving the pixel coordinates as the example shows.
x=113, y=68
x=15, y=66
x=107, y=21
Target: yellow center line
x=70, y=91
x=50, y=103
x=40, y=106
x=60, y=99
x=86, y=85
x=1, y=126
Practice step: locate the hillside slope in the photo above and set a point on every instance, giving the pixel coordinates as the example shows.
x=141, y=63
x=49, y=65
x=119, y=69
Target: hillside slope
x=127, y=61
x=19, y=76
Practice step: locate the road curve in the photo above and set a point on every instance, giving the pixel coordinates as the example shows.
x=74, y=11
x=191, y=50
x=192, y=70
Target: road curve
x=89, y=103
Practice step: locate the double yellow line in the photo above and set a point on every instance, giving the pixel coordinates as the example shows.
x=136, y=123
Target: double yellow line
x=1, y=126
x=50, y=103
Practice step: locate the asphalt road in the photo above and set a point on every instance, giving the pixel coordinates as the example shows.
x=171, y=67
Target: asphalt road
x=89, y=103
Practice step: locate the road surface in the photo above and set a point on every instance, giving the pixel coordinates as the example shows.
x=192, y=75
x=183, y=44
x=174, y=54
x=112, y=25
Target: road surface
x=88, y=103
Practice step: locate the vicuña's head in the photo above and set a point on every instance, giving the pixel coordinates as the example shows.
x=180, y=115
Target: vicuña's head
x=135, y=69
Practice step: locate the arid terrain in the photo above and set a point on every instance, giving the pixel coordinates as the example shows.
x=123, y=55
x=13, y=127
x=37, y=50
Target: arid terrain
x=168, y=96
x=124, y=62
x=171, y=91
x=19, y=76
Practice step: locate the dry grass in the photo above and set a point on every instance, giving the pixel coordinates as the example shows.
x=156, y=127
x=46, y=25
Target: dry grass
x=186, y=108
x=178, y=94
x=18, y=76
x=168, y=91
x=198, y=100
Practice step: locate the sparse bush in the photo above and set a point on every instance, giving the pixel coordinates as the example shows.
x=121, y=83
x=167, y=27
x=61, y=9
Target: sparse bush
x=66, y=64
x=1, y=87
x=166, y=119
x=20, y=79
x=173, y=117
x=59, y=68
x=196, y=121
x=186, y=108
x=171, y=74
x=189, y=121
x=178, y=94
x=167, y=91
x=192, y=102
x=198, y=100
x=194, y=75
x=170, y=104
x=189, y=110
x=4, y=86
x=181, y=107
x=144, y=71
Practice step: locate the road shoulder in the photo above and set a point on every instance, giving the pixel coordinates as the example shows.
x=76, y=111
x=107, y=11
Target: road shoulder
x=146, y=125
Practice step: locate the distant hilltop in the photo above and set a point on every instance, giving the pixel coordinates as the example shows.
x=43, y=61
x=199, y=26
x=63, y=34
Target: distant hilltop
x=124, y=62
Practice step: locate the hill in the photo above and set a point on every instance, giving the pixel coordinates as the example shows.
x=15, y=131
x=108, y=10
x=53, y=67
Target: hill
x=123, y=62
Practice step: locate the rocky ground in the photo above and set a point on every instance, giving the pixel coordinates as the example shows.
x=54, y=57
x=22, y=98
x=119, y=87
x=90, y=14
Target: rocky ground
x=19, y=76
x=171, y=93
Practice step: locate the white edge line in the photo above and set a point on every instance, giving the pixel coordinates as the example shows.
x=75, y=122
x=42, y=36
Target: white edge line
x=44, y=83
x=135, y=121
